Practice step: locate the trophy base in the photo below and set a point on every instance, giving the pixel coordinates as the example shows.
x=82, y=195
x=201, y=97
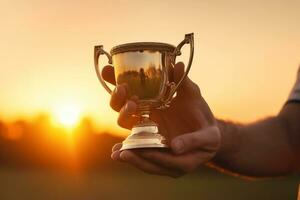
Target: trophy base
x=144, y=136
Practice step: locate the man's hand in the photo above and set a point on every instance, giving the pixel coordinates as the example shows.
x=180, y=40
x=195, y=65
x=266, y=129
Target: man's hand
x=188, y=125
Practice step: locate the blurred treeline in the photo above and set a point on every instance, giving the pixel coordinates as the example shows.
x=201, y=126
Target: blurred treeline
x=37, y=143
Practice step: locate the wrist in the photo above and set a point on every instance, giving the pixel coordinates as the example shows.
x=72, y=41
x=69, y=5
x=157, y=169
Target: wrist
x=230, y=141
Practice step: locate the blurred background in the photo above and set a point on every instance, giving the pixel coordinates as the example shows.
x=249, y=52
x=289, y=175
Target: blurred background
x=56, y=127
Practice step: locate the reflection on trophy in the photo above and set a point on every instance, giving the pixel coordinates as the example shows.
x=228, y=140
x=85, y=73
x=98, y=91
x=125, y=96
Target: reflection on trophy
x=144, y=68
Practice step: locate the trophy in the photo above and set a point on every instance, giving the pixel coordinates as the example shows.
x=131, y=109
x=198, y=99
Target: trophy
x=144, y=67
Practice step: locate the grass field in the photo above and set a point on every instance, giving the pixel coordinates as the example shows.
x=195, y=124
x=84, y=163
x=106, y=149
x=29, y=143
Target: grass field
x=132, y=184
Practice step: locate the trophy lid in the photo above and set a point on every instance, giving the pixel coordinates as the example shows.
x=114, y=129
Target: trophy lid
x=140, y=46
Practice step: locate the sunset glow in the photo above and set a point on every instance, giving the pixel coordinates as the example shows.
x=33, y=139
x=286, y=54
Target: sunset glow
x=241, y=53
x=67, y=115
x=62, y=133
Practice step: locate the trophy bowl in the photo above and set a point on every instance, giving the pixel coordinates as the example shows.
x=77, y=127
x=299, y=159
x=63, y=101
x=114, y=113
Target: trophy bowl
x=144, y=67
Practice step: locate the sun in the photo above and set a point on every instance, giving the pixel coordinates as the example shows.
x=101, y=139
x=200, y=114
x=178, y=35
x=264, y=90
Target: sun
x=67, y=115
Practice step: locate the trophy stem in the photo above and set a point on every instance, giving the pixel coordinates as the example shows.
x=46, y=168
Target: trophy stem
x=144, y=134
x=145, y=118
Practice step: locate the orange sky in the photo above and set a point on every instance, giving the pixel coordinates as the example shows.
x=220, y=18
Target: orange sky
x=245, y=61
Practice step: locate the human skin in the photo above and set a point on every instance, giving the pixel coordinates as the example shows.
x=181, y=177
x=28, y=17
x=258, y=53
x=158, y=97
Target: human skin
x=269, y=147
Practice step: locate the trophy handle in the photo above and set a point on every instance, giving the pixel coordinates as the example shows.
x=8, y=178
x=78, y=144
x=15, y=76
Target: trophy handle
x=98, y=51
x=188, y=39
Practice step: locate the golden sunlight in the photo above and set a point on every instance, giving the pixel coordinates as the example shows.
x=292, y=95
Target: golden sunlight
x=67, y=115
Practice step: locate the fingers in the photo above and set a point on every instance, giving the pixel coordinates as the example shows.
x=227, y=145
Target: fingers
x=126, y=108
x=187, y=87
x=207, y=139
x=118, y=98
x=185, y=163
x=108, y=73
x=119, y=94
x=189, y=91
x=126, y=118
x=140, y=163
x=132, y=158
x=116, y=156
x=178, y=71
x=116, y=147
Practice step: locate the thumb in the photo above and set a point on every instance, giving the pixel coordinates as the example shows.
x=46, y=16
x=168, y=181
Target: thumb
x=207, y=139
x=187, y=87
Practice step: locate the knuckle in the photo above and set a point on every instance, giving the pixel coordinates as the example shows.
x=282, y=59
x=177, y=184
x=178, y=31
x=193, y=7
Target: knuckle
x=115, y=103
x=118, y=99
x=113, y=106
x=196, y=88
x=215, y=138
x=121, y=122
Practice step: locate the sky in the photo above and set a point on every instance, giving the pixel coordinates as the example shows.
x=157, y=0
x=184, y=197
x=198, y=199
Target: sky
x=134, y=60
x=246, y=52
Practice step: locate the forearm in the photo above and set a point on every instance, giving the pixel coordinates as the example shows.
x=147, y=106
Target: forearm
x=263, y=148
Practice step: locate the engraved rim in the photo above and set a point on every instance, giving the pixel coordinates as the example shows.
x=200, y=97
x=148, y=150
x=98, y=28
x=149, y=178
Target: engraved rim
x=140, y=46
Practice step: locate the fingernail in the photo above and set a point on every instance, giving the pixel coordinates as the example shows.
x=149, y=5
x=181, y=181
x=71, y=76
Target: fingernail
x=178, y=146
